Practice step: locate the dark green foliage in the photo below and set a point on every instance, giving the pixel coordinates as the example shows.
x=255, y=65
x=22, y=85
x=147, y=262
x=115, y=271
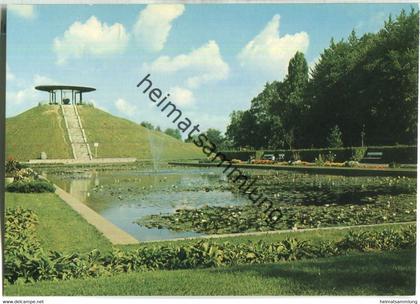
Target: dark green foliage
x=216, y=137
x=147, y=125
x=399, y=154
x=175, y=133
x=305, y=201
x=366, y=86
x=334, y=139
x=25, y=261
x=12, y=166
x=30, y=186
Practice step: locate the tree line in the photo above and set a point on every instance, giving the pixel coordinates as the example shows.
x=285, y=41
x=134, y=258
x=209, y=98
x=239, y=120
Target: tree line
x=362, y=91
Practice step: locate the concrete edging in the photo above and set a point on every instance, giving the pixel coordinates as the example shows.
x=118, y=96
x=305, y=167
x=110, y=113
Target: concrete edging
x=310, y=170
x=228, y=235
x=114, y=234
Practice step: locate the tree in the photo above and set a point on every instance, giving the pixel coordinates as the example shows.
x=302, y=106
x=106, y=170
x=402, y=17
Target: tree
x=334, y=139
x=216, y=137
x=371, y=81
x=175, y=133
x=289, y=106
x=147, y=125
x=367, y=83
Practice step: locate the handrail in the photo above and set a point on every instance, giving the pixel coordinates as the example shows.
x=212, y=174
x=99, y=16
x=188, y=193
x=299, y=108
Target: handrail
x=83, y=130
x=68, y=131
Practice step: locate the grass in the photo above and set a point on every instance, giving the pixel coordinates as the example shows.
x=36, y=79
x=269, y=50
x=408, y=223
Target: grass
x=60, y=227
x=376, y=273
x=330, y=234
x=118, y=137
x=40, y=129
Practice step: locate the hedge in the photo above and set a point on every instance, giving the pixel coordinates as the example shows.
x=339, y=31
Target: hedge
x=391, y=154
x=32, y=186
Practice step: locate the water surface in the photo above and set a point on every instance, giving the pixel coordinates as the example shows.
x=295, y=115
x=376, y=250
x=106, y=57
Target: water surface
x=125, y=196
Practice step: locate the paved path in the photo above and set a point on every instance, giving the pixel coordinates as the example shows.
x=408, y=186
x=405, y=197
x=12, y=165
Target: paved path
x=347, y=171
x=83, y=161
x=116, y=235
x=218, y=236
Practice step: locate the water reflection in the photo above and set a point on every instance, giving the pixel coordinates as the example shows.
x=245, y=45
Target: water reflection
x=125, y=196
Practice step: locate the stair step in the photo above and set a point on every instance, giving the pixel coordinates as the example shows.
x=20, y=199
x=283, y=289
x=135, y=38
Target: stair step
x=74, y=129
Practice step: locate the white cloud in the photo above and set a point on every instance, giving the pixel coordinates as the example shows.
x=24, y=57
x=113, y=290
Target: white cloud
x=22, y=10
x=19, y=97
x=25, y=97
x=268, y=52
x=90, y=38
x=202, y=65
x=43, y=80
x=181, y=96
x=125, y=107
x=154, y=24
x=9, y=75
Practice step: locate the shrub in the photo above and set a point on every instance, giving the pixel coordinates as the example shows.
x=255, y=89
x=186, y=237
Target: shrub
x=319, y=161
x=358, y=153
x=394, y=165
x=334, y=139
x=399, y=154
x=12, y=166
x=32, y=186
x=296, y=156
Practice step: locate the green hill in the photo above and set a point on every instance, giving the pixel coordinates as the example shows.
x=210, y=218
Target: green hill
x=42, y=128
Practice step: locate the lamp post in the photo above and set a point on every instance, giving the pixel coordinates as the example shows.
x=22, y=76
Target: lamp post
x=362, y=135
x=96, y=145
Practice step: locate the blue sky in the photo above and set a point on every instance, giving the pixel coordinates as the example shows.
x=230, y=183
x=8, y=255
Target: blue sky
x=213, y=59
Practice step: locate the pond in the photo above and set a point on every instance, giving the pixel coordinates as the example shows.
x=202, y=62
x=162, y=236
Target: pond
x=123, y=197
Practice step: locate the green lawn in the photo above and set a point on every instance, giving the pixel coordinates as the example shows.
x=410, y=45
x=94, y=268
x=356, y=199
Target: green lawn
x=118, y=137
x=40, y=129
x=376, y=273
x=60, y=227
x=329, y=234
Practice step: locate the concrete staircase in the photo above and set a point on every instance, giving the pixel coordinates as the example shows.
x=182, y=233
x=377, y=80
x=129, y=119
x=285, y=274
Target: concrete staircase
x=77, y=136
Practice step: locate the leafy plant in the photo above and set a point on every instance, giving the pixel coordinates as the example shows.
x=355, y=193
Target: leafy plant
x=12, y=166
x=31, y=186
x=319, y=161
x=26, y=261
x=335, y=138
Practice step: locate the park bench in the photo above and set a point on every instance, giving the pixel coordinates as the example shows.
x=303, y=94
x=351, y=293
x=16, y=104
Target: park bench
x=373, y=157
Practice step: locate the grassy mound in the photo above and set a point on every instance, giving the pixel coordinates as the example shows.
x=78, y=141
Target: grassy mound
x=118, y=137
x=42, y=129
